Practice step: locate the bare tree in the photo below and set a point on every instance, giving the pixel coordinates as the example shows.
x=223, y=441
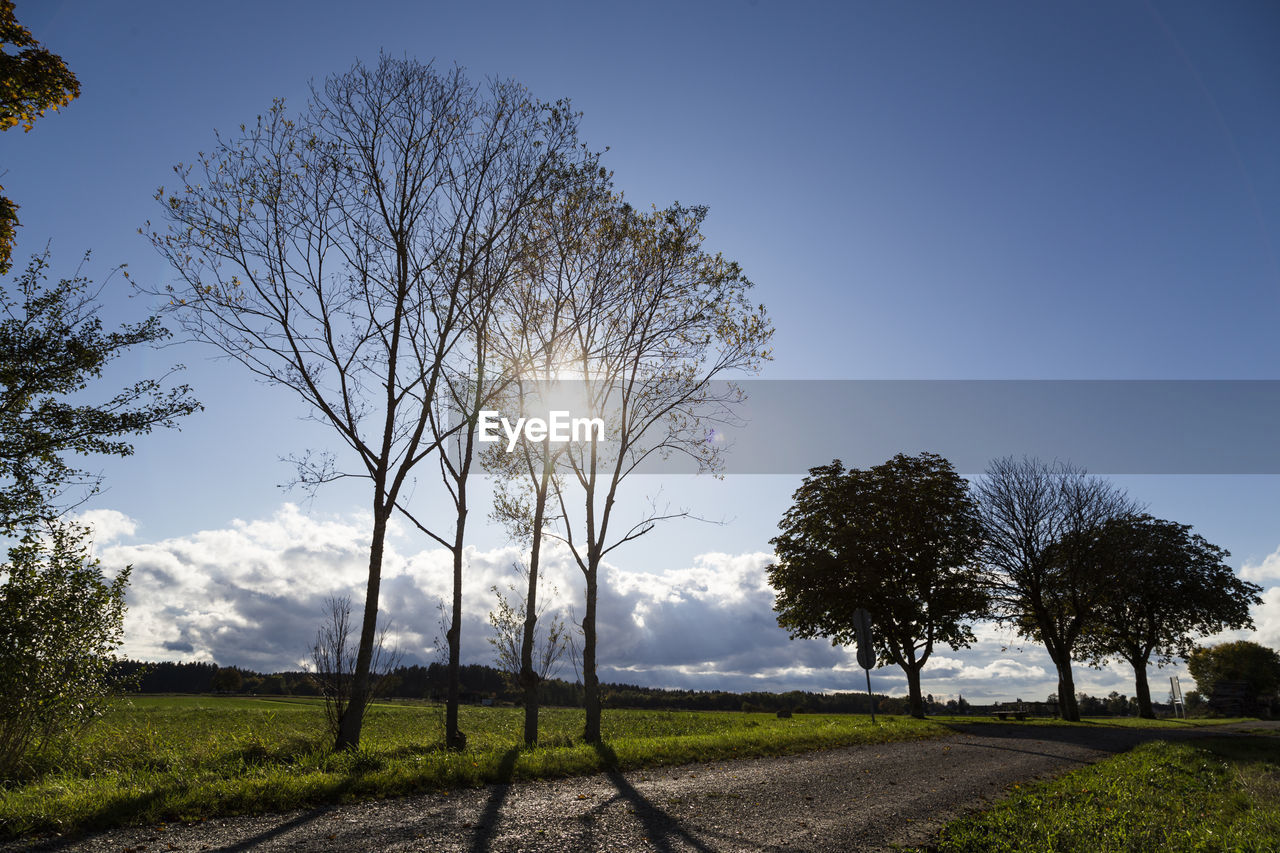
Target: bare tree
x=1042, y=580
x=654, y=321
x=341, y=254
x=334, y=658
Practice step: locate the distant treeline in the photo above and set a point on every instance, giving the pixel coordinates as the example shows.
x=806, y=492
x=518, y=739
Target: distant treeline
x=481, y=682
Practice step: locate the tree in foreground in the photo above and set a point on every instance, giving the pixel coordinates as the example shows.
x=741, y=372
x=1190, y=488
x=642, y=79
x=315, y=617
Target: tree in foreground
x=1241, y=660
x=655, y=321
x=61, y=622
x=1166, y=586
x=558, y=261
x=1042, y=578
x=340, y=254
x=54, y=348
x=898, y=539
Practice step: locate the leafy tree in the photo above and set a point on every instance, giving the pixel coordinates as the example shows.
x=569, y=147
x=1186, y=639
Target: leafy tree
x=898, y=539
x=1166, y=585
x=54, y=346
x=1042, y=579
x=61, y=622
x=1241, y=660
x=32, y=80
x=343, y=253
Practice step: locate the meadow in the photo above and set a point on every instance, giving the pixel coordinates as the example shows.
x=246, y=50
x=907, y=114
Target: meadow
x=174, y=758
x=158, y=759
x=1217, y=794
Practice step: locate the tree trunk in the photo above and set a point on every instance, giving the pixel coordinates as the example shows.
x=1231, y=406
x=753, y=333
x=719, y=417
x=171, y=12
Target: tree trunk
x=1067, y=706
x=529, y=678
x=915, y=700
x=590, y=681
x=453, y=737
x=1142, y=690
x=353, y=717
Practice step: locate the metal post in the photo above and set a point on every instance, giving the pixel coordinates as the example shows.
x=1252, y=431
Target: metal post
x=871, y=700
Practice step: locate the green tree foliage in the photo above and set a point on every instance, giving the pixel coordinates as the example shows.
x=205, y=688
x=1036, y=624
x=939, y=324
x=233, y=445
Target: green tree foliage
x=1241, y=660
x=227, y=680
x=32, y=80
x=1166, y=586
x=52, y=347
x=60, y=625
x=898, y=539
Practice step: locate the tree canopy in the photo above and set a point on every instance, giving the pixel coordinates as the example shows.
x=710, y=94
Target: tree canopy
x=898, y=539
x=54, y=346
x=1167, y=586
x=32, y=80
x=1242, y=660
x=343, y=253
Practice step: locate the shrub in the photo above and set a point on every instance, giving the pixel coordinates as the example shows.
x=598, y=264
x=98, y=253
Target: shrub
x=61, y=622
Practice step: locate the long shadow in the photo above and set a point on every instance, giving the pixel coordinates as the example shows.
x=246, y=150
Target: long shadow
x=662, y=829
x=77, y=840
x=487, y=823
x=275, y=831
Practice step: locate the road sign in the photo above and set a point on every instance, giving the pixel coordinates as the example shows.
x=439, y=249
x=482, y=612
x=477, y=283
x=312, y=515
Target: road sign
x=862, y=631
x=866, y=653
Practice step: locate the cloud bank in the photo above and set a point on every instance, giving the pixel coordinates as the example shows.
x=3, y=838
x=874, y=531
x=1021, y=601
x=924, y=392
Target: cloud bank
x=252, y=594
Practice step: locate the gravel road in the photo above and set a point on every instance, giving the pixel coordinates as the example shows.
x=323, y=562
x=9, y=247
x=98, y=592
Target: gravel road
x=857, y=798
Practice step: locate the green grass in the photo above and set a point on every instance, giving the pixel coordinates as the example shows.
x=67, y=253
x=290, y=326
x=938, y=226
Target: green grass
x=156, y=759
x=1168, y=724
x=1219, y=794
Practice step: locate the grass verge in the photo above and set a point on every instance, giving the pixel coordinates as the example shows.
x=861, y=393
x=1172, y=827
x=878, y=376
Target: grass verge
x=163, y=759
x=1165, y=724
x=1217, y=794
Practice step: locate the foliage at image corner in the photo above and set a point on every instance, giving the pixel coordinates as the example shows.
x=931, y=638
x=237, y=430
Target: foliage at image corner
x=32, y=81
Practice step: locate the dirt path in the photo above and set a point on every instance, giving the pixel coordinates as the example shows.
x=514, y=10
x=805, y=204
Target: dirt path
x=858, y=798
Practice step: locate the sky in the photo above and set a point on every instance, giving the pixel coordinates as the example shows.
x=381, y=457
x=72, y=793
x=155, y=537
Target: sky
x=923, y=191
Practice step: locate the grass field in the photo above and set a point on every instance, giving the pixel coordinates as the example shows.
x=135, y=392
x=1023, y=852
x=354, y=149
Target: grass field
x=180, y=758
x=1218, y=794
x=166, y=758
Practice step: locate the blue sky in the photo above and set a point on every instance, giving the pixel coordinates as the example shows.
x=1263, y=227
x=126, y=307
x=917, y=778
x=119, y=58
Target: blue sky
x=921, y=191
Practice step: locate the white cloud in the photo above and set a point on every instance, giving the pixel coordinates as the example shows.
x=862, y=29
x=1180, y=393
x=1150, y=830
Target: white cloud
x=251, y=594
x=1266, y=618
x=1266, y=571
x=108, y=525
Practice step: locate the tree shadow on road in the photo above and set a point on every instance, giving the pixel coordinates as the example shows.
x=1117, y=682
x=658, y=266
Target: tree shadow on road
x=487, y=822
x=662, y=829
